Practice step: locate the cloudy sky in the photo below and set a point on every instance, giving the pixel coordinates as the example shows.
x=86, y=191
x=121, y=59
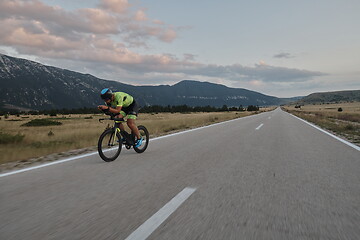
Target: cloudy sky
x=280, y=48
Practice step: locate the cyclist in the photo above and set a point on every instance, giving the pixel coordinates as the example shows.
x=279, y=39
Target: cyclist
x=122, y=105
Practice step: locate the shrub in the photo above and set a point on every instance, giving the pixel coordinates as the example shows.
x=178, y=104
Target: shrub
x=349, y=117
x=252, y=108
x=6, y=138
x=41, y=122
x=340, y=109
x=349, y=127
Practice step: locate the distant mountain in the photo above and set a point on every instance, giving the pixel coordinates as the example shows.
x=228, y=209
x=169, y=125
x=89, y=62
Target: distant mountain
x=29, y=85
x=331, y=97
x=194, y=93
x=293, y=98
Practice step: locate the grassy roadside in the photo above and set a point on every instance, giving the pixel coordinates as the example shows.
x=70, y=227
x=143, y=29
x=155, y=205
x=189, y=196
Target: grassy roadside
x=344, y=123
x=19, y=143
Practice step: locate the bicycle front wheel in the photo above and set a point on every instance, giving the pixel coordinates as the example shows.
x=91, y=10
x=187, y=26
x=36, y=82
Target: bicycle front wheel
x=109, y=145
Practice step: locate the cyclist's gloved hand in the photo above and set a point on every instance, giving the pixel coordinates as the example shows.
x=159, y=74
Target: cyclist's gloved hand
x=104, y=109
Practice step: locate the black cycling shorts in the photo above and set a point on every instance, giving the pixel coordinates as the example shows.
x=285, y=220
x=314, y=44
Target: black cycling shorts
x=131, y=111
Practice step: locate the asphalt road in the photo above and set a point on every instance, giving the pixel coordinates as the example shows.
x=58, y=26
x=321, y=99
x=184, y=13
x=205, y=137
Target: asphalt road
x=268, y=176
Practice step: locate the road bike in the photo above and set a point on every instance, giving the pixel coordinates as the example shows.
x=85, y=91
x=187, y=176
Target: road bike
x=112, y=139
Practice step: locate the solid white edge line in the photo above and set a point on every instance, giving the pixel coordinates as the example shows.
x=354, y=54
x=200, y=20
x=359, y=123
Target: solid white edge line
x=330, y=134
x=46, y=164
x=150, y=225
x=259, y=126
x=89, y=154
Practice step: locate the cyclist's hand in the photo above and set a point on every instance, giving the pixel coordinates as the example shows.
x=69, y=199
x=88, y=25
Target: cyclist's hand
x=102, y=107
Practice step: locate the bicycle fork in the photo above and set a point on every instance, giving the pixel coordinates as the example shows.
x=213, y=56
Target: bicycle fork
x=112, y=139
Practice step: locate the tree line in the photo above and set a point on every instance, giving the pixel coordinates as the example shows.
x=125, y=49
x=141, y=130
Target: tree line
x=185, y=108
x=145, y=109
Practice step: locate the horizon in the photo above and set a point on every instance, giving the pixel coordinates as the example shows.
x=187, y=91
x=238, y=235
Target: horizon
x=279, y=49
x=183, y=80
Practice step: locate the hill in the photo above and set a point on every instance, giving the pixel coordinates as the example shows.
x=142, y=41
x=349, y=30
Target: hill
x=331, y=97
x=30, y=85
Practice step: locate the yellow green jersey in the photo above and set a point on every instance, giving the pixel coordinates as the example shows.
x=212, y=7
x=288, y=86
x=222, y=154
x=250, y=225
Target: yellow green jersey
x=121, y=99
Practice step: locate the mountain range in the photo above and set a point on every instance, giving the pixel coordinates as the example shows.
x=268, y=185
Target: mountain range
x=28, y=85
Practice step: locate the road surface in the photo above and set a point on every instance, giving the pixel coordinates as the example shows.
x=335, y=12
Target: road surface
x=267, y=176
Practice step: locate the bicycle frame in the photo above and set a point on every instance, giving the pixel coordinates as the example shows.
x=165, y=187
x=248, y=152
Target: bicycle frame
x=129, y=137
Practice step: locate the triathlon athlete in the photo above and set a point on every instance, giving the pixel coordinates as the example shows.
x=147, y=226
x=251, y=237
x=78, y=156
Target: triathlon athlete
x=122, y=105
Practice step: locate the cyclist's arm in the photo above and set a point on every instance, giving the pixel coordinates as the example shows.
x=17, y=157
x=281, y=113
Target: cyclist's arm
x=115, y=110
x=112, y=110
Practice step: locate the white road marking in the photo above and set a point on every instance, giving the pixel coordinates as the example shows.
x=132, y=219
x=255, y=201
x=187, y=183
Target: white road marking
x=211, y=125
x=259, y=126
x=322, y=130
x=148, y=227
x=93, y=153
x=47, y=164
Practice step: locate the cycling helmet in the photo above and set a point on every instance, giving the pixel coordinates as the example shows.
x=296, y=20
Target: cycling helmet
x=106, y=94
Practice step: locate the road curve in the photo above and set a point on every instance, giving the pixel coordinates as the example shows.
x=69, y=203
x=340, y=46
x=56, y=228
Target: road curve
x=268, y=176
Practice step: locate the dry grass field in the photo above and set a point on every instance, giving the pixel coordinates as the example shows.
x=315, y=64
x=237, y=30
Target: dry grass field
x=345, y=123
x=20, y=143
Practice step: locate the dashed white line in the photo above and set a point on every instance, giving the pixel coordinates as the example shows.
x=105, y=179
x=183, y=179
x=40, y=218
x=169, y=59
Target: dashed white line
x=160, y=216
x=259, y=126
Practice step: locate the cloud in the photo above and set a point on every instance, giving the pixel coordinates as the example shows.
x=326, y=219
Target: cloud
x=156, y=21
x=280, y=74
x=140, y=15
x=189, y=57
x=98, y=40
x=283, y=55
x=113, y=17
x=262, y=72
x=117, y=6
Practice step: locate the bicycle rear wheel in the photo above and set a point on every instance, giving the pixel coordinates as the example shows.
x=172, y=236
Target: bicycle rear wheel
x=109, y=145
x=144, y=133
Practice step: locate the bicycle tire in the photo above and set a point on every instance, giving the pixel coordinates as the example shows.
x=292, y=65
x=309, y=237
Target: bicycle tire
x=107, y=135
x=145, y=134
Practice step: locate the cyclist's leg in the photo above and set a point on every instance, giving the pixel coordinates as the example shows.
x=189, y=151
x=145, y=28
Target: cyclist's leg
x=121, y=115
x=121, y=126
x=132, y=112
x=131, y=124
